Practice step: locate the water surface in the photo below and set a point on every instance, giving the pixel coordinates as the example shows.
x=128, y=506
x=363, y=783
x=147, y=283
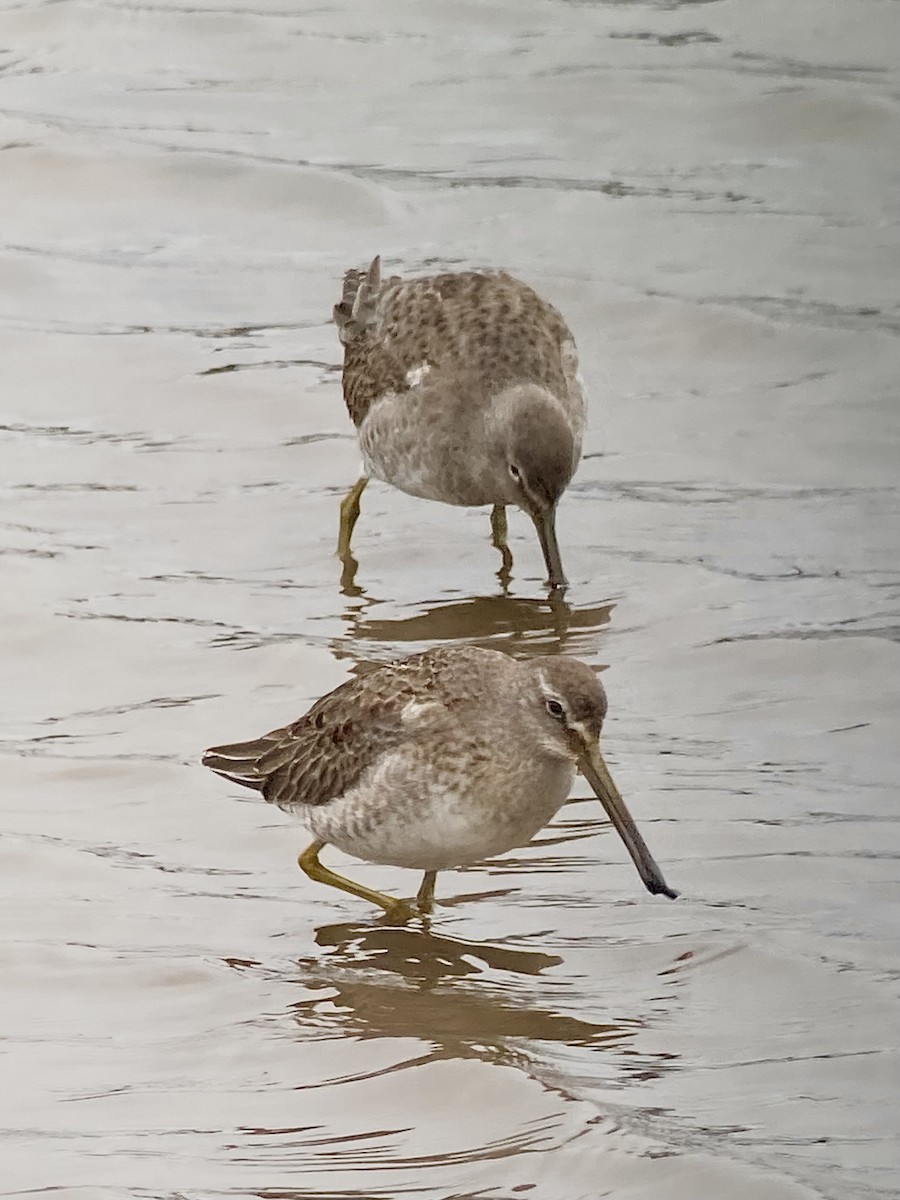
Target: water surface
x=709, y=193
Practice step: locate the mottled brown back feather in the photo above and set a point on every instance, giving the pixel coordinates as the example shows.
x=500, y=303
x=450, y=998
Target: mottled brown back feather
x=324, y=753
x=487, y=325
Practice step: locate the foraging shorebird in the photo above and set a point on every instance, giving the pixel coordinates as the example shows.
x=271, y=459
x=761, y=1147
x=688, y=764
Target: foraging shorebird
x=439, y=761
x=463, y=388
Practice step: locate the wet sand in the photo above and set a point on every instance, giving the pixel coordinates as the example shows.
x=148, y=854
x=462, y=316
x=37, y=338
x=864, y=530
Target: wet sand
x=709, y=193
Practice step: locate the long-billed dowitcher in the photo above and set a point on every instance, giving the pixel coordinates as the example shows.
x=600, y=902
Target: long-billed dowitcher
x=463, y=388
x=438, y=761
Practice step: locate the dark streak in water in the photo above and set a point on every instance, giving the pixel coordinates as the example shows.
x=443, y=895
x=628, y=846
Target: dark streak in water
x=786, y=308
x=90, y=437
x=790, y=68
x=276, y=363
x=74, y=488
x=678, y=492
x=29, y=552
x=848, y=629
x=137, y=706
x=107, y=329
x=689, y=37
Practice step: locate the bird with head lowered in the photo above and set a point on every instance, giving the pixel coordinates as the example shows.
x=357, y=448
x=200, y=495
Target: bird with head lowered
x=463, y=388
x=438, y=761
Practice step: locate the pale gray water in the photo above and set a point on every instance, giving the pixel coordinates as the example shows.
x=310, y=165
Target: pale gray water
x=709, y=191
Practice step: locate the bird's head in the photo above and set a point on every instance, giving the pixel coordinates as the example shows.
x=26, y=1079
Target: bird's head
x=536, y=457
x=569, y=701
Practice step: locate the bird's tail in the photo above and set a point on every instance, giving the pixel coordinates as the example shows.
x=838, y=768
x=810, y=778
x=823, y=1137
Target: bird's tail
x=356, y=311
x=242, y=762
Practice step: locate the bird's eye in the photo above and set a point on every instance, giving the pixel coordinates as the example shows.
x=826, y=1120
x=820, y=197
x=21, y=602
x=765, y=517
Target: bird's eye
x=514, y=471
x=555, y=709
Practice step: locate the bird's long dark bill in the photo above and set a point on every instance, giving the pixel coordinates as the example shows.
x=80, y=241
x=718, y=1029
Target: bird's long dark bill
x=593, y=768
x=545, y=524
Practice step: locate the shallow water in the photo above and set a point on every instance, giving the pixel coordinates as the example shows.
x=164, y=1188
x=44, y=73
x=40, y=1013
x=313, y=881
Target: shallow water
x=709, y=191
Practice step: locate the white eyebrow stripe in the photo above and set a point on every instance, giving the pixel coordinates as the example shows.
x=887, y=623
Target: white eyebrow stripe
x=551, y=693
x=545, y=686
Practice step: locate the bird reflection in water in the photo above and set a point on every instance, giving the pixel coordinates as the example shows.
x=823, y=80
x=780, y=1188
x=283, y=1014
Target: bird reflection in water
x=381, y=980
x=521, y=625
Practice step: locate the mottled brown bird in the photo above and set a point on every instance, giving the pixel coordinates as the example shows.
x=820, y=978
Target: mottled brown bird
x=463, y=388
x=438, y=761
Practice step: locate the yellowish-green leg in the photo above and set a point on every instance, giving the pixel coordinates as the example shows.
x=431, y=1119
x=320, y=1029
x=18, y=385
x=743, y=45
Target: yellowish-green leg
x=425, y=894
x=309, y=863
x=498, y=536
x=350, y=515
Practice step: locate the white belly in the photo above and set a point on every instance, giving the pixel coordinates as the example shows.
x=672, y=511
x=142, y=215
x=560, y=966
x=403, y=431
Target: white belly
x=404, y=817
